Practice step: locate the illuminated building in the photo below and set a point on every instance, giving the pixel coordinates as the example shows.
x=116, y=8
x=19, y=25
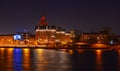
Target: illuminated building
x=44, y=33
x=50, y=35
x=93, y=37
x=6, y=39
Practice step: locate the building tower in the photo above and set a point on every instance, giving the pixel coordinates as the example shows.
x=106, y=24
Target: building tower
x=43, y=21
x=41, y=31
x=45, y=34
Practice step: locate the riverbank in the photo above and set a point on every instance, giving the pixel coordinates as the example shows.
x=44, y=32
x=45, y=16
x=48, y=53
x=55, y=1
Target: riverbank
x=60, y=47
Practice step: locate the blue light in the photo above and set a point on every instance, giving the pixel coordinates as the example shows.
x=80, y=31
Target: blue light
x=17, y=37
x=17, y=59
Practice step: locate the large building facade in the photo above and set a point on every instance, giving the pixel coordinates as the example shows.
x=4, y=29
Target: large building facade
x=50, y=35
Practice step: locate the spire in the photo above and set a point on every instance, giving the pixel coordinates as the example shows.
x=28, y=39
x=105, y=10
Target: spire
x=43, y=21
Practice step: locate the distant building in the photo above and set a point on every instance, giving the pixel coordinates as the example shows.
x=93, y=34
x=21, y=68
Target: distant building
x=93, y=38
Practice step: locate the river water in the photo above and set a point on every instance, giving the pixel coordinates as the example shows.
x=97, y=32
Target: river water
x=24, y=59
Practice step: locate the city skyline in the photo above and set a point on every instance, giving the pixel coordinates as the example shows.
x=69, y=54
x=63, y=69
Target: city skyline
x=82, y=15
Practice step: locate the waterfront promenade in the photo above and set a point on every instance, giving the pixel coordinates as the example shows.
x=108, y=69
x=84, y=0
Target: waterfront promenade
x=92, y=47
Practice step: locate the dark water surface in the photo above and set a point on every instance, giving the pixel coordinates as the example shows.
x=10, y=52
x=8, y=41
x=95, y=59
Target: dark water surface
x=16, y=59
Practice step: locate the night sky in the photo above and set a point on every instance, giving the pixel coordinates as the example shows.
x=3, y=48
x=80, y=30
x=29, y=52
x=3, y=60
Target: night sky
x=83, y=15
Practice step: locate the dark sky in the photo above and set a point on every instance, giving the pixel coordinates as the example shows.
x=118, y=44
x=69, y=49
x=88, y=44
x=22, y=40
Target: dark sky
x=84, y=15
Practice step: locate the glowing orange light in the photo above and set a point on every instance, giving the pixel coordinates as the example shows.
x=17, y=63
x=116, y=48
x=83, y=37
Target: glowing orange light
x=26, y=57
x=98, y=52
x=99, y=60
x=99, y=46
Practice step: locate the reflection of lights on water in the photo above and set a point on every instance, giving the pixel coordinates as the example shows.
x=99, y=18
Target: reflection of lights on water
x=98, y=55
x=9, y=57
x=26, y=50
x=39, y=50
x=118, y=60
x=39, y=54
x=99, y=60
x=10, y=50
x=17, y=58
x=26, y=58
x=70, y=52
x=39, y=57
x=2, y=51
x=98, y=52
